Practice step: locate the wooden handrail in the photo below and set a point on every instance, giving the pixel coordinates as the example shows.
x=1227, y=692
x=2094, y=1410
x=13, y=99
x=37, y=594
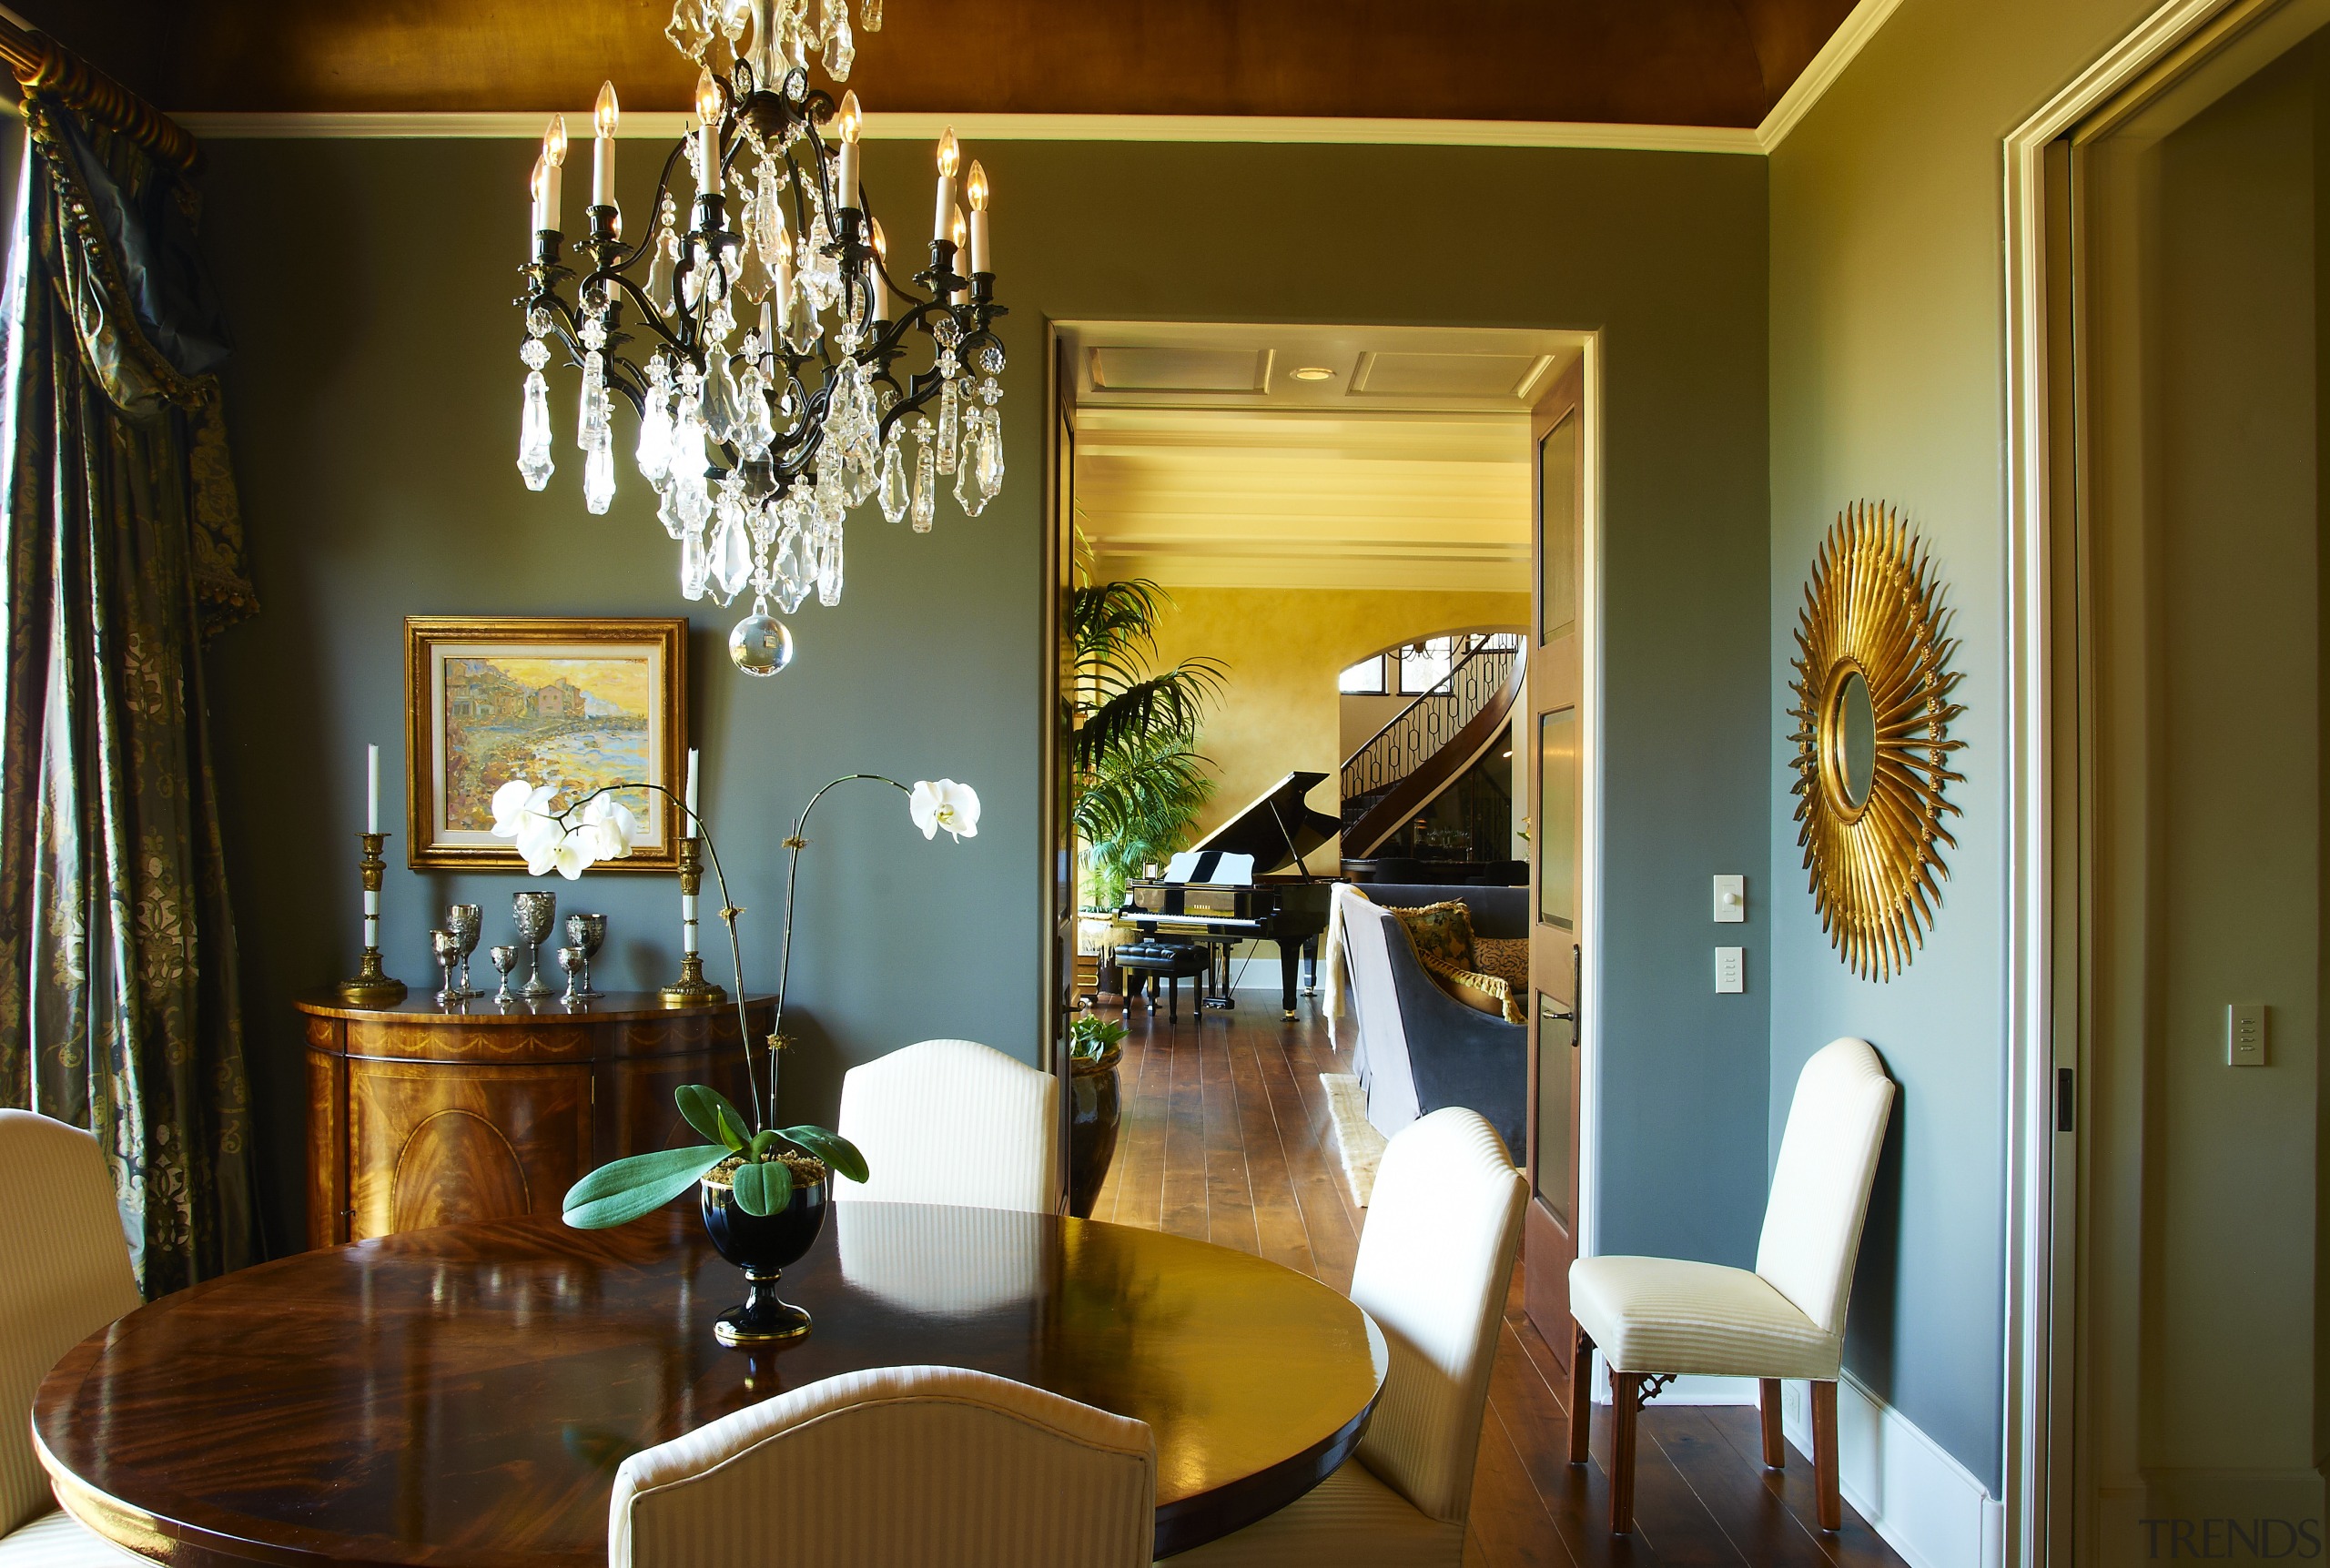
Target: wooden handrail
x=41, y=64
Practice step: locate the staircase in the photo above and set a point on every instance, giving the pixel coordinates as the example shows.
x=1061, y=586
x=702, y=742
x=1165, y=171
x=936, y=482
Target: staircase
x=1428, y=744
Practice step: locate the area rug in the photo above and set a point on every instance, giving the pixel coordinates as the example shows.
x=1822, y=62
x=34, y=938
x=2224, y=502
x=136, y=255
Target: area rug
x=1359, y=1145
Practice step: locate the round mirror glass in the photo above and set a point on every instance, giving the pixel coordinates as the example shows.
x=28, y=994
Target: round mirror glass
x=1853, y=741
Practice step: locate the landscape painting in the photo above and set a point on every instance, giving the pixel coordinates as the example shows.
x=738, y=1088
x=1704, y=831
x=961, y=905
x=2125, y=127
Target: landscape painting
x=578, y=704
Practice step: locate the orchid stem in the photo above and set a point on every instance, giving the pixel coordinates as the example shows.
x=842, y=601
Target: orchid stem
x=797, y=843
x=762, y=1115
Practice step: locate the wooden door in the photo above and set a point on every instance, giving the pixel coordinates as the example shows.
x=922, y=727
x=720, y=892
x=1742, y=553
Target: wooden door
x=1555, y=736
x=1059, y=965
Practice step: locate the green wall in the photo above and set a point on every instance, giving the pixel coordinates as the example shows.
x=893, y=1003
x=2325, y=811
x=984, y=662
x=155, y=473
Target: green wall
x=1888, y=338
x=374, y=399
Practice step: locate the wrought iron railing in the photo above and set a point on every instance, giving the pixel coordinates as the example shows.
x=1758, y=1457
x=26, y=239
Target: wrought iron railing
x=1419, y=730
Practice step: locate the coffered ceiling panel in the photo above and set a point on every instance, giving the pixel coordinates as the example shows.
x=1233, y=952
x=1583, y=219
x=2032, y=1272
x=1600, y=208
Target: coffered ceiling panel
x=1400, y=460
x=1655, y=61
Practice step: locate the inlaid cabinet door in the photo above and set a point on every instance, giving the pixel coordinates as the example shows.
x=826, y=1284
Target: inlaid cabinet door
x=435, y=1143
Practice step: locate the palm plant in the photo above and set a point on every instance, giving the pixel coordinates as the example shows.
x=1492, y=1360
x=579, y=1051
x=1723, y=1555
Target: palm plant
x=1138, y=781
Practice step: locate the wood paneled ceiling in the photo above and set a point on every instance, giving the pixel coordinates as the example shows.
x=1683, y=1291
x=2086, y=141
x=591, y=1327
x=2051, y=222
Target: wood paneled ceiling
x=1204, y=459
x=1649, y=61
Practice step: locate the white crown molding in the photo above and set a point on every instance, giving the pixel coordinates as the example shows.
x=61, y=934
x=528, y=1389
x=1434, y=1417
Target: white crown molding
x=1812, y=83
x=1218, y=128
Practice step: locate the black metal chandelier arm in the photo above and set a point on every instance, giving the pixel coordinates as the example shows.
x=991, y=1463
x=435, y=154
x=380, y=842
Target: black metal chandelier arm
x=655, y=208
x=922, y=388
x=651, y=318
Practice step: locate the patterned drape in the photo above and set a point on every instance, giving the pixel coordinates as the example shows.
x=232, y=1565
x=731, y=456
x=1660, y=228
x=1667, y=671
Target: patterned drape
x=123, y=549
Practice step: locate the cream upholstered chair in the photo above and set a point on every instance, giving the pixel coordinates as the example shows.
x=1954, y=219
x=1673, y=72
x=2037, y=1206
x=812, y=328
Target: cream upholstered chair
x=893, y=1468
x=953, y=1121
x=66, y=1276
x=1435, y=1262
x=1656, y=1318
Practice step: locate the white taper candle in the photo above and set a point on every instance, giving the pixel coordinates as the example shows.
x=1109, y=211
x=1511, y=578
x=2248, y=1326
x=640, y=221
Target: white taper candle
x=371, y=789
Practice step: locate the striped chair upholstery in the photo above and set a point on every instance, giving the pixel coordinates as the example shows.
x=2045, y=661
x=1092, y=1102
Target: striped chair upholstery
x=66, y=1276
x=953, y=1121
x=1434, y=1261
x=894, y=1467
x=1651, y=1317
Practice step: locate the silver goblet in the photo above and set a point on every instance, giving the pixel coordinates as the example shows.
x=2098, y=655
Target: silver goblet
x=536, y=912
x=504, y=959
x=465, y=921
x=448, y=948
x=587, y=932
x=572, y=960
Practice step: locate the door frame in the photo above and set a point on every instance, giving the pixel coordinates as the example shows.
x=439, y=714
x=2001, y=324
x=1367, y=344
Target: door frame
x=2049, y=787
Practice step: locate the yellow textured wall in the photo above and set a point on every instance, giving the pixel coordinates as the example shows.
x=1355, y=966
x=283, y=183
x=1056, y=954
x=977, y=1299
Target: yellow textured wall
x=1280, y=710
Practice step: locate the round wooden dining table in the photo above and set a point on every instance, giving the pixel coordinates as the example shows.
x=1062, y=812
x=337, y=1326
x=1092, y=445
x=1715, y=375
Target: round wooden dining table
x=463, y=1395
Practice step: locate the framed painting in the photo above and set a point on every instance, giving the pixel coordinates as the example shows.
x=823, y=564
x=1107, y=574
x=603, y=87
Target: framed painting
x=581, y=703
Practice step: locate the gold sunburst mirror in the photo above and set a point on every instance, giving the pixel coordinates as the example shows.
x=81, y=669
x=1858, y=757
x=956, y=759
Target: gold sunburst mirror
x=1873, y=714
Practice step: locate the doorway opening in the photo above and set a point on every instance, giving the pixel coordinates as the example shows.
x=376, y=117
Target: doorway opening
x=1356, y=559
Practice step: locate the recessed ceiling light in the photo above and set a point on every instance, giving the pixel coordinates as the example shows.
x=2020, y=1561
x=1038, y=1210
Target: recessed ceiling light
x=1314, y=373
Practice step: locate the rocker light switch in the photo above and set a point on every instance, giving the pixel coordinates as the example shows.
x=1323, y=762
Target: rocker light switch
x=1730, y=971
x=2245, y=1035
x=1730, y=900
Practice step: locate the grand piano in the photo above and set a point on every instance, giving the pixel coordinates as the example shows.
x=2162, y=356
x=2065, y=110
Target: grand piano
x=1288, y=906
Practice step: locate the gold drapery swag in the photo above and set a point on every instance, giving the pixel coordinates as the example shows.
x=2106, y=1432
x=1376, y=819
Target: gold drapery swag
x=123, y=549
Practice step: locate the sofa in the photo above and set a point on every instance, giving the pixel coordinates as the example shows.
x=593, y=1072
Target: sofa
x=1419, y=1049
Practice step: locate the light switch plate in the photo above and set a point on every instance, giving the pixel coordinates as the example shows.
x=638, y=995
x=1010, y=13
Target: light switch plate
x=1730, y=971
x=1730, y=900
x=2245, y=1029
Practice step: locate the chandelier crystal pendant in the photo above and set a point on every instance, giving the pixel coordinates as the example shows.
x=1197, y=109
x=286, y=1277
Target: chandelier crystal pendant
x=759, y=444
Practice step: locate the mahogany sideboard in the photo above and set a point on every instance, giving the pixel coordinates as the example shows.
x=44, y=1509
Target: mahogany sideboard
x=423, y=1113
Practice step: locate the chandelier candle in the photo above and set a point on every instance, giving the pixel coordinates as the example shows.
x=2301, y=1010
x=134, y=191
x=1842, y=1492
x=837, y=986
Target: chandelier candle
x=950, y=156
x=603, y=120
x=846, y=180
x=976, y=188
x=760, y=439
x=553, y=162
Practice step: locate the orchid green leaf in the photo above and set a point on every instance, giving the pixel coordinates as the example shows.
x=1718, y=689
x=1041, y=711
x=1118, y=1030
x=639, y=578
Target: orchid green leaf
x=764, y=1189
x=836, y=1152
x=624, y=1190
x=702, y=1104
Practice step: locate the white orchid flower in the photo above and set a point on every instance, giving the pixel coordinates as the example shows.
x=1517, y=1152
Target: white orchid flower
x=610, y=826
x=517, y=804
x=947, y=805
x=573, y=855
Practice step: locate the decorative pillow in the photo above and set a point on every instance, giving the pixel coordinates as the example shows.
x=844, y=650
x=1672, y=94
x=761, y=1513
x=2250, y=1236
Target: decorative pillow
x=1443, y=933
x=1484, y=993
x=1507, y=957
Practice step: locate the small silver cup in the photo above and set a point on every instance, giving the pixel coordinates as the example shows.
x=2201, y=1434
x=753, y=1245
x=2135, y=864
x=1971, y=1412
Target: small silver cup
x=465, y=921
x=536, y=912
x=588, y=933
x=504, y=960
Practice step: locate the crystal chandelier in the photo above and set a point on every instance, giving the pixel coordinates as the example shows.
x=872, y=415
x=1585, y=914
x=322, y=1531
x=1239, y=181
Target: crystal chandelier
x=759, y=446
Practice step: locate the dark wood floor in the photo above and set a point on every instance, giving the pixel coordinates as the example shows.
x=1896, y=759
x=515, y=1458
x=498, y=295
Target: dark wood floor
x=1226, y=1137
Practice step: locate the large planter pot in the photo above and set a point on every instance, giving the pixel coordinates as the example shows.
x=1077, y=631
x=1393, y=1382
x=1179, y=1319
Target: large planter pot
x=764, y=1247
x=1095, y=1109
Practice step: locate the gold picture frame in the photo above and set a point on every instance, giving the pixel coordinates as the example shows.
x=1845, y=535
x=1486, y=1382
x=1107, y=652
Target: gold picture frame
x=1873, y=714
x=578, y=701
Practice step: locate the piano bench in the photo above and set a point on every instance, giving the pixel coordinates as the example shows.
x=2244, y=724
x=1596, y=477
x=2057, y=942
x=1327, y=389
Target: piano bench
x=1169, y=962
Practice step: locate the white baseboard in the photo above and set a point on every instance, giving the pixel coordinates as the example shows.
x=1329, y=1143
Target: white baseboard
x=1926, y=1505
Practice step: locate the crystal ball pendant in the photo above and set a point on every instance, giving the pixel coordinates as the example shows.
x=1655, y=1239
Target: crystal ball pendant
x=760, y=645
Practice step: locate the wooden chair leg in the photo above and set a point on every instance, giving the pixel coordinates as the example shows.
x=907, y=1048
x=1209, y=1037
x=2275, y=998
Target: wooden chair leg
x=1625, y=1394
x=1581, y=1394
x=1775, y=1444
x=1824, y=1455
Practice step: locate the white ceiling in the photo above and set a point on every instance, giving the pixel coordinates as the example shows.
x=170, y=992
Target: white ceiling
x=1202, y=461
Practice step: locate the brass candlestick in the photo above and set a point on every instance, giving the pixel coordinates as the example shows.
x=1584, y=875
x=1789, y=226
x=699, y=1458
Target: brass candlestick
x=691, y=989
x=373, y=987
